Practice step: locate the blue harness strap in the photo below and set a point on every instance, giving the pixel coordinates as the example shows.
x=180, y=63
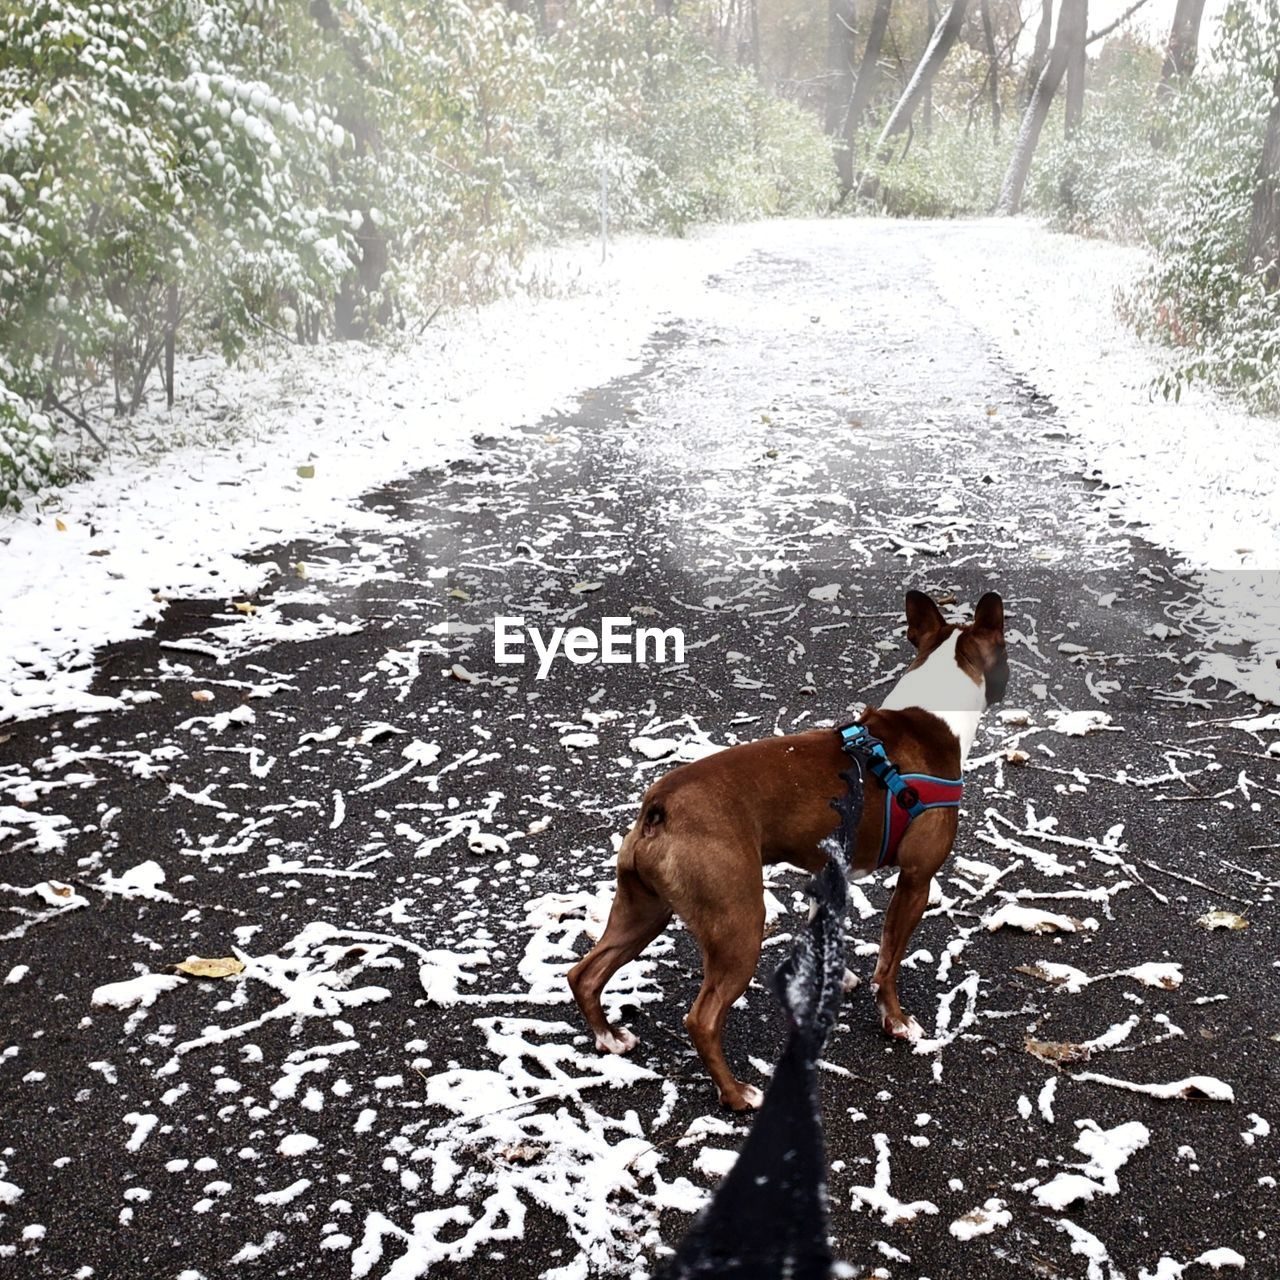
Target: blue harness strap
x=913, y=793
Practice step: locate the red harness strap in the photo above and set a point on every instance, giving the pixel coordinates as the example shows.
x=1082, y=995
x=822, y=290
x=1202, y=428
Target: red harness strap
x=934, y=793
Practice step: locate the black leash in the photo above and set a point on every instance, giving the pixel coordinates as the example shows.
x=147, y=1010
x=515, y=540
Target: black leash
x=768, y=1218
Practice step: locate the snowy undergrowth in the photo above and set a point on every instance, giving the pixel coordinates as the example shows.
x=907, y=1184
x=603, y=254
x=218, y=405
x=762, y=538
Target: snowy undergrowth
x=1198, y=475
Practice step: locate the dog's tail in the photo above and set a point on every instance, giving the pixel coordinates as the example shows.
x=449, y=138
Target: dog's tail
x=640, y=844
x=652, y=815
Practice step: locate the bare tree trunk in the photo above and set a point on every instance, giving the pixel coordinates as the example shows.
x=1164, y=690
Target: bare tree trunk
x=1015, y=178
x=931, y=24
x=371, y=240
x=1264, y=222
x=170, y=339
x=864, y=86
x=944, y=36
x=993, y=66
x=722, y=34
x=755, y=37
x=1183, y=46
x=1039, y=52
x=841, y=16
x=1073, y=22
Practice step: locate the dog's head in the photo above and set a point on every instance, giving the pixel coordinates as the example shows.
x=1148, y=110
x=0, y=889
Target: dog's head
x=980, y=648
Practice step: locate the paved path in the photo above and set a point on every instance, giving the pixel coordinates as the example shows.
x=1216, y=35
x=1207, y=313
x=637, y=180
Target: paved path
x=407, y=860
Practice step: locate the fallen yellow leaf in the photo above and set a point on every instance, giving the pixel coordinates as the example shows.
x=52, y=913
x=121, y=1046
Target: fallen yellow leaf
x=1222, y=920
x=1054, y=1051
x=223, y=967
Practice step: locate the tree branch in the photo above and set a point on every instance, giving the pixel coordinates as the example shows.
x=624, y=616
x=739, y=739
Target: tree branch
x=1119, y=22
x=80, y=420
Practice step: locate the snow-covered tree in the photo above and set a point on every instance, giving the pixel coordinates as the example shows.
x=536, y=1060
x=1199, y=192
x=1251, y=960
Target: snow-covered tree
x=1214, y=291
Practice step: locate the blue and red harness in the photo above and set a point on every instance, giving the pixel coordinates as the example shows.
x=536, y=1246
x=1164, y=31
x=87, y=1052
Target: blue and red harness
x=910, y=794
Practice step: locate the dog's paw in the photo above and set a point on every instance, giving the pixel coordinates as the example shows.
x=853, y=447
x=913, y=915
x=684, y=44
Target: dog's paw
x=616, y=1040
x=748, y=1098
x=850, y=981
x=905, y=1028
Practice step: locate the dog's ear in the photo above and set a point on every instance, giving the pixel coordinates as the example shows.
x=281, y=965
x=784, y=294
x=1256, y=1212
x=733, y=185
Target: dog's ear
x=924, y=618
x=989, y=615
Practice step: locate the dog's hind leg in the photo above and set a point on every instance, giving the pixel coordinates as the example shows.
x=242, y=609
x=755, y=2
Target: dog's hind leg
x=635, y=919
x=910, y=897
x=730, y=941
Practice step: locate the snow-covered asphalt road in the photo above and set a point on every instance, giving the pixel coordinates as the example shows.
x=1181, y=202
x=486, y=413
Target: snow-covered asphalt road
x=405, y=845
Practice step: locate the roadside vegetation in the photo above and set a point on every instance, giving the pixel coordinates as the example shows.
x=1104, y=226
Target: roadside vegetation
x=212, y=173
x=1119, y=130
x=179, y=176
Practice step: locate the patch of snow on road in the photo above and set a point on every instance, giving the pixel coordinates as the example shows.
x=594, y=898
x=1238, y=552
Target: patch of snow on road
x=982, y=1221
x=1216, y=1259
x=880, y=1199
x=1193, y=1087
x=1034, y=920
x=140, y=992
x=1108, y=1150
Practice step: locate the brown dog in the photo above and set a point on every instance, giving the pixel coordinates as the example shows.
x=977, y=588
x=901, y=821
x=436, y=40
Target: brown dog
x=707, y=829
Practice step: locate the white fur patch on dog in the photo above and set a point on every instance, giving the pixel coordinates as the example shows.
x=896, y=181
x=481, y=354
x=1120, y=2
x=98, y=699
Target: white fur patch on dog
x=941, y=686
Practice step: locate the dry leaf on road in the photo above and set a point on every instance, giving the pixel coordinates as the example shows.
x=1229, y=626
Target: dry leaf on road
x=222, y=967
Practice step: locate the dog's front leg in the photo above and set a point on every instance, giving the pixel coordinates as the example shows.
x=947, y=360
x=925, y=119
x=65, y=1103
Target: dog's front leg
x=923, y=850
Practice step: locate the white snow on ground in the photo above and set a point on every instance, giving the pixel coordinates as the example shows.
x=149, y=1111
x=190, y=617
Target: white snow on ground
x=880, y=1199
x=1215, y=1259
x=95, y=562
x=143, y=990
x=1108, y=1150
x=1034, y=920
x=1198, y=474
x=982, y=1221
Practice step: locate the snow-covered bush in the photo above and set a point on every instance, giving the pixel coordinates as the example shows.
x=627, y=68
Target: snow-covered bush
x=954, y=172
x=639, y=115
x=143, y=174
x=1108, y=177
x=474, y=78
x=1221, y=311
